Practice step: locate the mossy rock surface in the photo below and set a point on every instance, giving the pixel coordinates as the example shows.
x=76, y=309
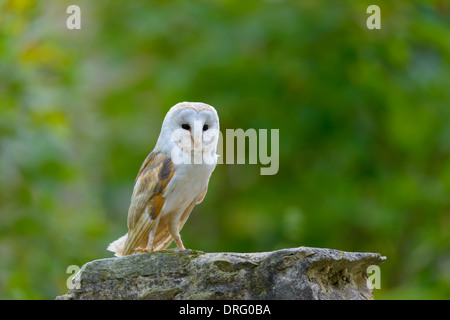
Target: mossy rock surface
x=295, y=273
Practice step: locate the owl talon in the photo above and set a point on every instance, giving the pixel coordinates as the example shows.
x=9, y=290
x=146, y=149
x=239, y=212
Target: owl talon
x=140, y=250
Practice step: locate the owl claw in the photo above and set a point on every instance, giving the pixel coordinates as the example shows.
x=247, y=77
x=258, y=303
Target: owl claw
x=139, y=250
x=142, y=250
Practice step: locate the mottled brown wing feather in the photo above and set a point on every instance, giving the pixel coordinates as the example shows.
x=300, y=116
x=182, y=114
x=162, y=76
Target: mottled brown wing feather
x=147, y=200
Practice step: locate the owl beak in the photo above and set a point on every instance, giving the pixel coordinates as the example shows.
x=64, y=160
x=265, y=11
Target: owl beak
x=197, y=134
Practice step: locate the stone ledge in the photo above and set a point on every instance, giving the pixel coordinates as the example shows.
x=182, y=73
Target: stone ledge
x=297, y=273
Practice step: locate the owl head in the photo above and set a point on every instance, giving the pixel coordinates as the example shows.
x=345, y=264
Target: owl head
x=189, y=133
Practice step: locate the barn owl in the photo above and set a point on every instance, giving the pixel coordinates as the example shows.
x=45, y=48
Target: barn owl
x=172, y=180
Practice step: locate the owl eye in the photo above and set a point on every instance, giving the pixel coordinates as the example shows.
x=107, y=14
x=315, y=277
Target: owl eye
x=185, y=126
x=205, y=127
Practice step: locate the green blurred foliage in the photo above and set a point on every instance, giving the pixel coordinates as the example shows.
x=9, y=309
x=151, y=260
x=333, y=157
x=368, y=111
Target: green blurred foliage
x=364, y=120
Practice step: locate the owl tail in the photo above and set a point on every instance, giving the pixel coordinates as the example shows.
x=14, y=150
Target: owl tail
x=117, y=246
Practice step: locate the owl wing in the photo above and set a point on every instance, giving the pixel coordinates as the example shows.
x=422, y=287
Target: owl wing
x=148, y=198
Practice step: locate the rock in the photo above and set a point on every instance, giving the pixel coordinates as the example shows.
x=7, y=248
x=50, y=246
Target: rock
x=296, y=273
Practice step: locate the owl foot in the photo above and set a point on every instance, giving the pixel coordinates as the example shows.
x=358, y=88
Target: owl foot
x=140, y=250
x=143, y=250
